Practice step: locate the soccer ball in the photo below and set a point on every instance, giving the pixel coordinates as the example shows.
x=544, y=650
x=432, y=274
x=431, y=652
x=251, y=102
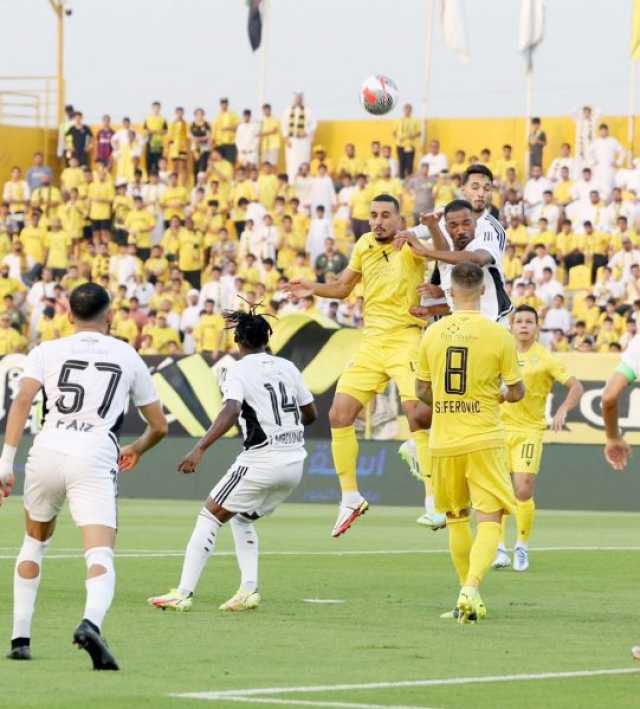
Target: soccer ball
x=378, y=94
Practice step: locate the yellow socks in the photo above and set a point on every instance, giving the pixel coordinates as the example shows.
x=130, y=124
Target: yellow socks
x=460, y=541
x=344, y=446
x=525, y=513
x=421, y=439
x=483, y=552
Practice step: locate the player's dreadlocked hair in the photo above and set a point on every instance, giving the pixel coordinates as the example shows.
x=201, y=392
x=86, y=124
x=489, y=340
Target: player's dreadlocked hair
x=251, y=330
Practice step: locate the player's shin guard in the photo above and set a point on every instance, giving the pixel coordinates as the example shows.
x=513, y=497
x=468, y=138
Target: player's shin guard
x=199, y=549
x=460, y=541
x=525, y=514
x=25, y=590
x=246, y=542
x=421, y=439
x=483, y=552
x=101, y=587
x=344, y=446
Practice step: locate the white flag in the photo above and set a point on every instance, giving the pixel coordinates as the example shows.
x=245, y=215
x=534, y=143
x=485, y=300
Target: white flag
x=453, y=28
x=531, y=28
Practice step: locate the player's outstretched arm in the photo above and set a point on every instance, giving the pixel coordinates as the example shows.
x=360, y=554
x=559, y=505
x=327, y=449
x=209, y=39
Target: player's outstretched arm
x=18, y=415
x=479, y=257
x=157, y=428
x=432, y=221
x=309, y=414
x=616, y=449
x=574, y=393
x=227, y=418
x=339, y=289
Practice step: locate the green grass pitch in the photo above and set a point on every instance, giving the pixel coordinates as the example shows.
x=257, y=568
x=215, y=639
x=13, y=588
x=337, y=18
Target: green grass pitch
x=575, y=610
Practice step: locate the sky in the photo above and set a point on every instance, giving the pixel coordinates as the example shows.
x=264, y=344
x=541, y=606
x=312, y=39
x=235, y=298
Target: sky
x=122, y=54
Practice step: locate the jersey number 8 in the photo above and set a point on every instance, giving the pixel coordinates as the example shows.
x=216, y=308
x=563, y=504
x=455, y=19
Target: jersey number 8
x=455, y=373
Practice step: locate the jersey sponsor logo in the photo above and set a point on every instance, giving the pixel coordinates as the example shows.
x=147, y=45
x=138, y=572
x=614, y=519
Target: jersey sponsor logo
x=288, y=438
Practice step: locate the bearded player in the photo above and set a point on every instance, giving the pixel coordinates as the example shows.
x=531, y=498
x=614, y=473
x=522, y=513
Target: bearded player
x=389, y=349
x=525, y=424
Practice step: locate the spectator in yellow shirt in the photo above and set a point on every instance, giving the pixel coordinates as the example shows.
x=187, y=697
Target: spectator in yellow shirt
x=612, y=314
x=350, y=164
x=10, y=339
x=139, y=225
x=178, y=142
x=459, y=164
x=209, y=333
x=191, y=253
x=562, y=192
x=504, y=163
x=518, y=235
x=269, y=137
x=47, y=329
x=443, y=190
x=388, y=185
x=320, y=157
x=71, y=176
x=58, y=247
x=224, y=132
x=33, y=237
x=406, y=132
x=511, y=265
x=125, y=328
x=157, y=265
x=162, y=334
x=174, y=200
x=607, y=335
x=146, y=346
x=101, y=195
x=375, y=165
x=46, y=198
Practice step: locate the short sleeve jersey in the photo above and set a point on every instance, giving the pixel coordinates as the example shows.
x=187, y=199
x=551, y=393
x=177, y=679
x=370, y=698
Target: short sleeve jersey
x=87, y=380
x=540, y=369
x=390, y=280
x=465, y=356
x=271, y=391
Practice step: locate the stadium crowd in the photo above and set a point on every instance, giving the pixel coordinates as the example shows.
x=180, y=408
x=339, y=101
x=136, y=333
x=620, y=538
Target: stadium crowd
x=178, y=219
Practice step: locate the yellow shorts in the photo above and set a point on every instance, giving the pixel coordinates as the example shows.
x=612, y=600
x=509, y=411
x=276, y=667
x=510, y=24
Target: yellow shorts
x=379, y=359
x=479, y=480
x=524, y=451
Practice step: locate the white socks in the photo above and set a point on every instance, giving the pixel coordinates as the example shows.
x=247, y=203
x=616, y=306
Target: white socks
x=429, y=504
x=199, y=549
x=100, y=589
x=246, y=542
x=351, y=499
x=25, y=591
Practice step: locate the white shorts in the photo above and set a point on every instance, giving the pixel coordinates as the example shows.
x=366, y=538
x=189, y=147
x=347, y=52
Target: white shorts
x=89, y=483
x=255, y=488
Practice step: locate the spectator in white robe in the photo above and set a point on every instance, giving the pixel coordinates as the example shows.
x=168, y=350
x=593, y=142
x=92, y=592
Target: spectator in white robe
x=298, y=127
x=586, y=121
x=534, y=188
x=302, y=186
x=565, y=159
x=247, y=140
x=606, y=156
x=322, y=192
x=320, y=230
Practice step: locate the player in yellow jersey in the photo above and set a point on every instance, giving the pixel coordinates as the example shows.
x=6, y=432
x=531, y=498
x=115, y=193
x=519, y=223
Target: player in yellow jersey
x=461, y=361
x=389, y=349
x=525, y=425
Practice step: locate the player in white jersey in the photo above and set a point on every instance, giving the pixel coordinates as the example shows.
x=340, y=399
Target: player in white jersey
x=86, y=380
x=617, y=450
x=489, y=236
x=267, y=396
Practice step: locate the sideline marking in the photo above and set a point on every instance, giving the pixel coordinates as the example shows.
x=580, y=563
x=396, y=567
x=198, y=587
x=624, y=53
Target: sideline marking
x=257, y=695
x=152, y=553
